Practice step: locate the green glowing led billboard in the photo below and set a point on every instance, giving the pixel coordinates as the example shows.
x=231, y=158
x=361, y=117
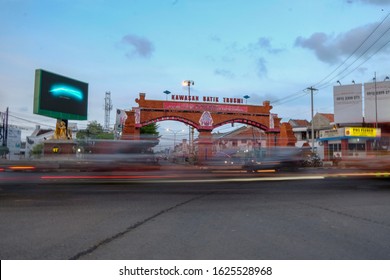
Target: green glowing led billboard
x=60, y=97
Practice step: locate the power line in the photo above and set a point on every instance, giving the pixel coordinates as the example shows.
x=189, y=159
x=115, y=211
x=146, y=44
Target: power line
x=321, y=85
x=366, y=60
x=30, y=121
x=363, y=42
x=289, y=98
x=345, y=69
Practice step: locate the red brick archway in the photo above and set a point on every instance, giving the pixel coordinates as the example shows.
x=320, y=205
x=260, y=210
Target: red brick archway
x=204, y=117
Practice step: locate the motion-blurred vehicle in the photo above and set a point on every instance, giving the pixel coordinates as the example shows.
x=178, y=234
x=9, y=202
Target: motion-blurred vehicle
x=275, y=159
x=93, y=155
x=378, y=162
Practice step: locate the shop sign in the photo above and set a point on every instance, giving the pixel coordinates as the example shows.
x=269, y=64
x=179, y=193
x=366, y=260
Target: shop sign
x=331, y=133
x=362, y=132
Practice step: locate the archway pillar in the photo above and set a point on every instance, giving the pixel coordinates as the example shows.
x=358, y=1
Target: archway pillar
x=131, y=130
x=205, y=145
x=272, y=138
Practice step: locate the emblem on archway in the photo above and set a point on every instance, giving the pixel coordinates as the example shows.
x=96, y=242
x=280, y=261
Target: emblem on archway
x=206, y=119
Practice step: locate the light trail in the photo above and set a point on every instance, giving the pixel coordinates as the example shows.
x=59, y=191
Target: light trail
x=50, y=177
x=231, y=180
x=21, y=167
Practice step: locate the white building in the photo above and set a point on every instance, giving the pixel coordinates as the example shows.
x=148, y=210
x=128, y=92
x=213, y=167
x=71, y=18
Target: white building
x=14, y=142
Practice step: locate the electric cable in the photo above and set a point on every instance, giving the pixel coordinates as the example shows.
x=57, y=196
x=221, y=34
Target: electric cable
x=318, y=84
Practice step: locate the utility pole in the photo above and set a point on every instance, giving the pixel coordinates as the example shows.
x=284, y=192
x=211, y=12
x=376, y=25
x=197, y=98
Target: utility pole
x=376, y=103
x=4, y=128
x=4, y=133
x=107, y=110
x=312, y=89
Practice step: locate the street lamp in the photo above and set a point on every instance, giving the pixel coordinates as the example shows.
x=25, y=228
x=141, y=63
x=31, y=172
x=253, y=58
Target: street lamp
x=246, y=98
x=174, y=135
x=188, y=83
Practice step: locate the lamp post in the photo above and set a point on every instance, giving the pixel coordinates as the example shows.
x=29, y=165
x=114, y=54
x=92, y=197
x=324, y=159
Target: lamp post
x=174, y=135
x=246, y=98
x=188, y=83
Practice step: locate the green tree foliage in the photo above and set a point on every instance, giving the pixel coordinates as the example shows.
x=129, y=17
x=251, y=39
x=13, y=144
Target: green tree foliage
x=150, y=129
x=3, y=151
x=37, y=150
x=150, y=132
x=94, y=130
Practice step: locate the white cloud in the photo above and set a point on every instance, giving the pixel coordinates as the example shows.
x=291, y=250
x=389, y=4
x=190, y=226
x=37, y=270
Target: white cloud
x=140, y=46
x=261, y=67
x=224, y=73
x=331, y=48
x=264, y=43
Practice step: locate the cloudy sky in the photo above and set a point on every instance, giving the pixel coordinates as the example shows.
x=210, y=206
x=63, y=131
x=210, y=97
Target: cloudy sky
x=269, y=50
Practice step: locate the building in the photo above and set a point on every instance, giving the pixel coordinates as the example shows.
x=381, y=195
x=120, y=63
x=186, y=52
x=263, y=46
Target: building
x=38, y=136
x=14, y=142
x=245, y=138
x=358, y=133
x=300, y=129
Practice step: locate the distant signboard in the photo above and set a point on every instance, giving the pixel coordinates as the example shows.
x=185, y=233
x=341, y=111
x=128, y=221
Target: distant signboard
x=362, y=132
x=379, y=109
x=60, y=97
x=350, y=132
x=331, y=133
x=348, y=105
x=14, y=142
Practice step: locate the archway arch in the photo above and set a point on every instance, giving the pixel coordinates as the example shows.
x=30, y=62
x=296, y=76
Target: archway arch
x=243, y=121
x=170, y=118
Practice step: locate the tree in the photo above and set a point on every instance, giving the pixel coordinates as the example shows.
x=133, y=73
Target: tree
x=94, y=130
x=150, y=132
x=150, y=129
x=37, y=150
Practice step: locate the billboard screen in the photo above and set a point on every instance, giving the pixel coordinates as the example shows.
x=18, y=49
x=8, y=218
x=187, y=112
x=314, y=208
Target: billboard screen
x=348, y=104
x=60, y=97
x=381, y=109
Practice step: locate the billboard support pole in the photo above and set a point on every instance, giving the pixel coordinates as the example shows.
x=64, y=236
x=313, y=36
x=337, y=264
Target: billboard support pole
x=376, y=103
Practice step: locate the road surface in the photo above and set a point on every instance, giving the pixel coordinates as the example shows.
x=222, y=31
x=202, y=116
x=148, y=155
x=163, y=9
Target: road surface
x=257, y=217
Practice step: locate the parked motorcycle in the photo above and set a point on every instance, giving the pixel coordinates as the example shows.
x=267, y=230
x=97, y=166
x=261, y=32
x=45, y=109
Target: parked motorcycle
x=312, y=160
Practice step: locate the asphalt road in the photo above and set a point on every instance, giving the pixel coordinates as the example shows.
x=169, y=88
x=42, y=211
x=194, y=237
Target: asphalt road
x=331, y=218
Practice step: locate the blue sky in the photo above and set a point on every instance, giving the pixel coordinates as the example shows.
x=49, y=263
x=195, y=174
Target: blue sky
x=269, y=50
